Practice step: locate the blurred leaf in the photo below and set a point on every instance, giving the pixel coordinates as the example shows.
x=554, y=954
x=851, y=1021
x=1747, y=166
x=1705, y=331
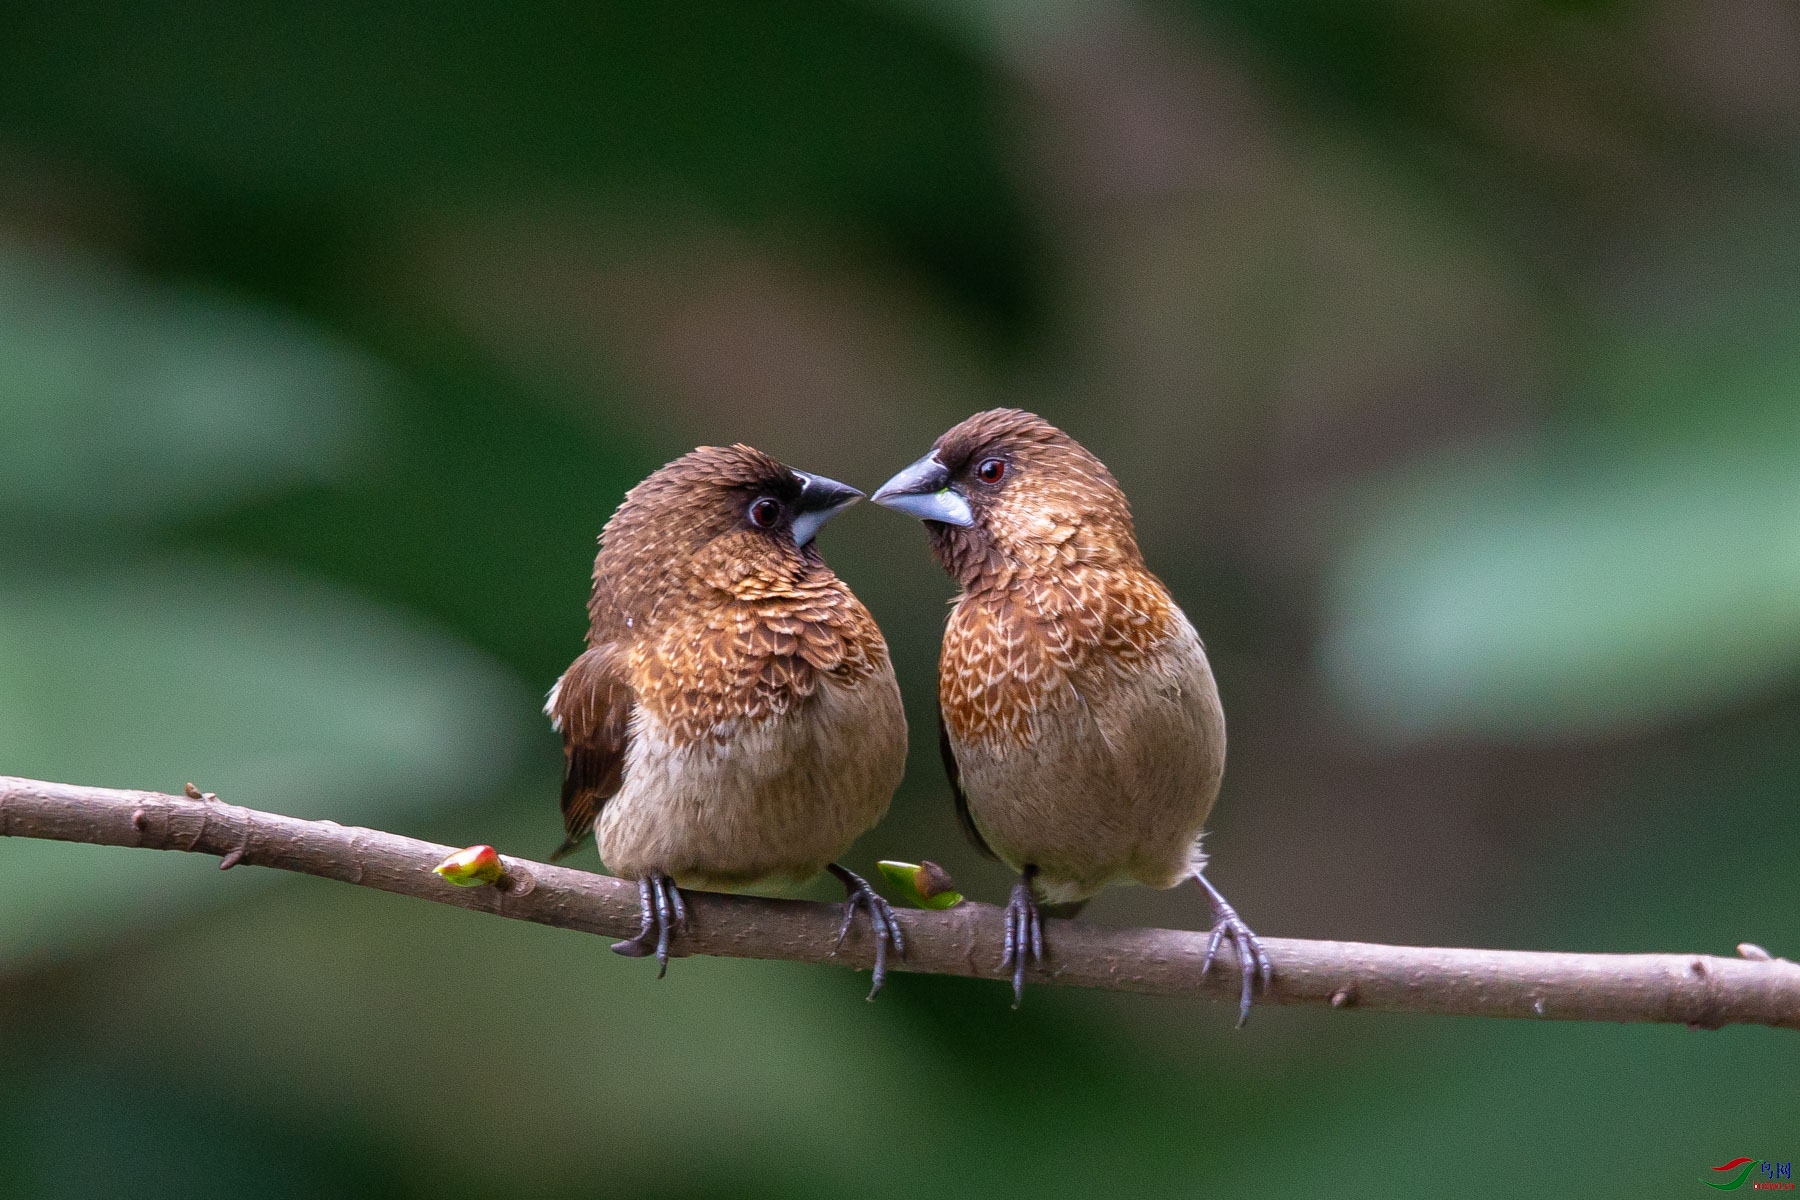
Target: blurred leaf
x=1508, y=595
x=479, y=510
x=122, y=399
x=92, y=1131
x=930, y=1083
x=796, y=112
x=275, y=692
x=1695, y=855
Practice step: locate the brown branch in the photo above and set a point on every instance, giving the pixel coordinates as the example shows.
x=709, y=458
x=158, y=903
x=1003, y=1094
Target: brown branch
x=1693, y=989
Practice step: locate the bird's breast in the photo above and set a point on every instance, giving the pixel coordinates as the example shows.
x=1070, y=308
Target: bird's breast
x=1010, y=654
x=775, y=782
x=1089, y=740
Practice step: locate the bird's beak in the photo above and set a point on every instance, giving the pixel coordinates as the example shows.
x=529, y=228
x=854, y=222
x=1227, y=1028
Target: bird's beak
x=820, y=500
x=924, y=491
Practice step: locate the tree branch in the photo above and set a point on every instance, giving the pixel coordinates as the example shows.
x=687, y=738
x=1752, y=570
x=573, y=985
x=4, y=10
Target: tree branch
x=1694, y=989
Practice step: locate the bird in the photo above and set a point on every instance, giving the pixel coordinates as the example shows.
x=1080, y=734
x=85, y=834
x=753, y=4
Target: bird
x=734, y=721
x=1078, y=717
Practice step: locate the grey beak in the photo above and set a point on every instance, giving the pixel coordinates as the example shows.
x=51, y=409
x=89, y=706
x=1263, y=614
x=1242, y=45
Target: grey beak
x=820, y=500
x=924, y=491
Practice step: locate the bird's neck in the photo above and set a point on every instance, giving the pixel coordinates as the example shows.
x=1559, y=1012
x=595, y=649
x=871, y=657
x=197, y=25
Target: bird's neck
x=981, y=562
x=643, y=592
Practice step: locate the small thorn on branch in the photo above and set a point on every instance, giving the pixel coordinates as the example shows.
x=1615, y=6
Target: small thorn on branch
x=193, y=793
x=233, y=858
x=1755, y=952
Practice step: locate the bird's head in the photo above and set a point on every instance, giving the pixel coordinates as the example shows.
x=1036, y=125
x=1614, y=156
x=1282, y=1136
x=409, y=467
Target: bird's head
x=1007, y=490
x=722, y=517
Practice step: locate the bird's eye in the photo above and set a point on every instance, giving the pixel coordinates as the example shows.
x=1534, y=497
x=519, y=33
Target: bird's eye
x=991, y=470
x=765, y=512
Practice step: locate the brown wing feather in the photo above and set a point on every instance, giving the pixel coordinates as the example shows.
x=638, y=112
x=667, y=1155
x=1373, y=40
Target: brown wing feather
x=592, y=708
x=964, y=819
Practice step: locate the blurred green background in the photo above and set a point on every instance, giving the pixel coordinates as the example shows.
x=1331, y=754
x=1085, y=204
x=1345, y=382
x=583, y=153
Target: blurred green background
x=1449, y=353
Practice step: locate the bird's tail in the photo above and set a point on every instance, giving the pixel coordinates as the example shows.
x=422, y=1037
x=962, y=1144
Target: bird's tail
x=570, y=845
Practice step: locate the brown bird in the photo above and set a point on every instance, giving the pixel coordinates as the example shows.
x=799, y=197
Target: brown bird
x=1078, y=717
x=734, y=719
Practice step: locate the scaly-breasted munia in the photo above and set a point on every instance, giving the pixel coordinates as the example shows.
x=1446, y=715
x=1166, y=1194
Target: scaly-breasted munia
x=734, y=719
x=1078, y=716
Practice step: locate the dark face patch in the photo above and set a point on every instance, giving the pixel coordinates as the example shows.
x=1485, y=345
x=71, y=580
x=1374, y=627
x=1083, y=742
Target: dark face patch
x=697, y=509
x=767, y=504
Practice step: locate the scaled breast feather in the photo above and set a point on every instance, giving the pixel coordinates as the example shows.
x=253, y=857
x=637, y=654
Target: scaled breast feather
x=1007, y=653
x=738, y=662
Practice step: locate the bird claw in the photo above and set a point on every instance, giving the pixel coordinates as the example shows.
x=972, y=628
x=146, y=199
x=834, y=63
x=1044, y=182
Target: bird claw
x=858, y=894
x=1253, y=960
x=663, y=911
x=1024, y=935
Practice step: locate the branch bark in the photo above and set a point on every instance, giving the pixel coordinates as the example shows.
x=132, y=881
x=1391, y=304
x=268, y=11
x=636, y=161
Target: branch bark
x=1694, y=989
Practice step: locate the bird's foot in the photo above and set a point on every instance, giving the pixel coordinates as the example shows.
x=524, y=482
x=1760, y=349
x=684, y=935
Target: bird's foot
x=1253, y=960
x=858, y=894
x=1024, y=934
x=663, y=912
